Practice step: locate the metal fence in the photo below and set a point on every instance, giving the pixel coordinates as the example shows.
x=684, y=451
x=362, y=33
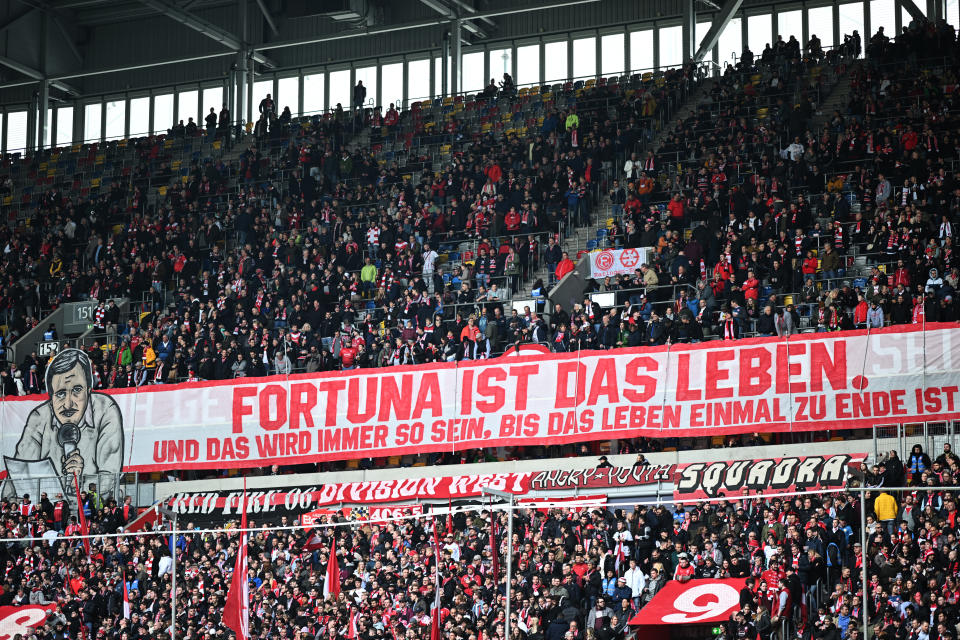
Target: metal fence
x=902, y=437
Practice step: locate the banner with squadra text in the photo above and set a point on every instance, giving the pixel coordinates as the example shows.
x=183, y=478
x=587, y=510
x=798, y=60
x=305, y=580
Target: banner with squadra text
x=809, y=382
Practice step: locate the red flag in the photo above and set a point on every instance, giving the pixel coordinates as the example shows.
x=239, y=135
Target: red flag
x=435, y=623
x=352, y=629
x=331, y=586
x=84, y=530
x=449, y=516
x=236, y=609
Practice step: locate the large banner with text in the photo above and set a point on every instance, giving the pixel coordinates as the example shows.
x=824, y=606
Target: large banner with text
x=809, y=382
x=328, y=498
x=743, y=478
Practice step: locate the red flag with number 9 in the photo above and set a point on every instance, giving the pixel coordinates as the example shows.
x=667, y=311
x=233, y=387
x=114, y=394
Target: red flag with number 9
x=22, y=620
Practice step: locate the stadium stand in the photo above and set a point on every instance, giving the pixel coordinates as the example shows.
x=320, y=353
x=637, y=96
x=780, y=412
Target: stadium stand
x=303, y=247
x=579, y=572
x=331, y=243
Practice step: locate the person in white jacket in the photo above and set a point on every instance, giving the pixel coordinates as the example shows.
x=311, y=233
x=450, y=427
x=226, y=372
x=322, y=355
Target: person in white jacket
x=631, y=168
x=636, y=580
x=18, y=381
x=934, y=282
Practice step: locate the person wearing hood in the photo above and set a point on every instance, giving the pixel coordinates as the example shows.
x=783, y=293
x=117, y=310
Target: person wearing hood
x=934, y=282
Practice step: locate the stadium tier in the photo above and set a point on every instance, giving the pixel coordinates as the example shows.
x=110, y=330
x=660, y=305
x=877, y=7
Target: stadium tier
x=667, y=353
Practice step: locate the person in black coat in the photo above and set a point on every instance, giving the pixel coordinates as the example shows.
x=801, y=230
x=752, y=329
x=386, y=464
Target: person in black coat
x=688, y=329
x=656, y=331
x=766, y=323
x=608, y=334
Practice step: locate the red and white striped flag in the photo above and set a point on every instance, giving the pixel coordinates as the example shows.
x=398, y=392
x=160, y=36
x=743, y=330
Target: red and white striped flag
x=621, y=554
x=126, y=597
x=314, y=542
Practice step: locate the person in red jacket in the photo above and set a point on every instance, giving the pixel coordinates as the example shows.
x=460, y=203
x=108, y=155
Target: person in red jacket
x=392, y=117
x=676, y=208
x=684, y=571
x=348, y=355
x=564, y=267
x=902, y=275
x=860, y=312
x=909, y=139
x=809, y=266
x=512, y=220
x=751, y=286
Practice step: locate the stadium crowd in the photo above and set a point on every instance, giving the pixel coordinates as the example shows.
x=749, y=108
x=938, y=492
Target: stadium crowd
x=333, y=261
x=577, y=574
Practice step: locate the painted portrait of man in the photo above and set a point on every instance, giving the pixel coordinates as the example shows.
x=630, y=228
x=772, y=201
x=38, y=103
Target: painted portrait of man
x=81, y=432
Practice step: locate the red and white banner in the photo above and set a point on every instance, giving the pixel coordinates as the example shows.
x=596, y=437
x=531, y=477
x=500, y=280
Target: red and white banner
x=312, y=504
x=615, y=262
x=295, y=501
x=21, y=621
x=741, y=478
x=809, y=382
x=602, y=478
x=694, y=602
x=376, y=514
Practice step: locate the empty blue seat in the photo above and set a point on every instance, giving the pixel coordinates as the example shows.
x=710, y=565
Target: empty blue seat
x=591, y=245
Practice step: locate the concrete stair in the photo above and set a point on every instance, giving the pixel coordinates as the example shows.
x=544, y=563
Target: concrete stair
x=576, y=238
x=835, y=101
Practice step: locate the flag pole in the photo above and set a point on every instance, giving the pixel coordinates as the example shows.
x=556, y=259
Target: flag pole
x=435, y=611
x=510, y=498
x=170, y=513
x=244, y=539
